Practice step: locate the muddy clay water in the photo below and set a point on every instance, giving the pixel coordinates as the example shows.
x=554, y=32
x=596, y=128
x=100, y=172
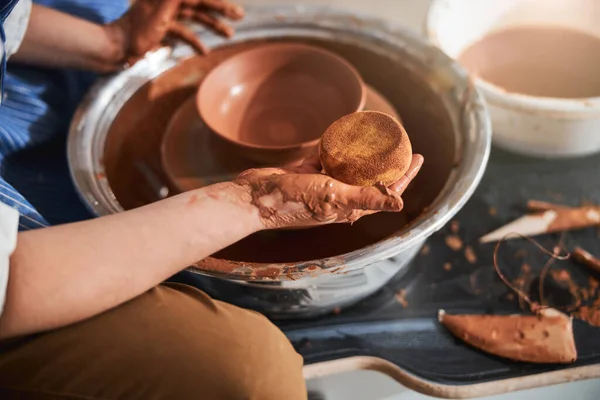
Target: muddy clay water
x=545, y=61
x=135, y=138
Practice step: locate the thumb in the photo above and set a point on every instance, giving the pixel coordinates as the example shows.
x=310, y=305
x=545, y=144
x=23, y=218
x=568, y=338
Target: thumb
x=372, y=198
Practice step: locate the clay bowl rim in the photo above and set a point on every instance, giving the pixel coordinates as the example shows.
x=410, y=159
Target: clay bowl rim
x=545, y=106
x=282, y=45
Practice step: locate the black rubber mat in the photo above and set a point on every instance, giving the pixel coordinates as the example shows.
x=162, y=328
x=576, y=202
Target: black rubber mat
x=410, y=336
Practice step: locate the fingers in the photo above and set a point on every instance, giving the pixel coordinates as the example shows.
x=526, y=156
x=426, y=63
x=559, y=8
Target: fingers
x=229, y=10
x=207, y=20
x=184, y=33
x=378, y=198
x=373, y=198
x=200, y=11
x=400, y=186
x=348, y=198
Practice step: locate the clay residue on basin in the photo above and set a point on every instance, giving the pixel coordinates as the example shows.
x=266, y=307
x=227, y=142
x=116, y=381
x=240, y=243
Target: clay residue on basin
x=135, y=136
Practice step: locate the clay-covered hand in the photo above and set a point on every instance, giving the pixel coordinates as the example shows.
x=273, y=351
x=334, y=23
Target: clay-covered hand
x=303, y=196
x=148, y=23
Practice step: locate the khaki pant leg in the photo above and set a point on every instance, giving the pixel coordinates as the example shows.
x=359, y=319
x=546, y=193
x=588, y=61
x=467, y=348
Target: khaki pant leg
x=173, y=342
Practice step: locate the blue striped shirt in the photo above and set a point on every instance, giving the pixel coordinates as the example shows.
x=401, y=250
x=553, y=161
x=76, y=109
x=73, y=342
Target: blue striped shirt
x=35, y=113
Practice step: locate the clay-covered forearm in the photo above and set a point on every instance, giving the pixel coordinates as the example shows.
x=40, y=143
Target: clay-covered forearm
x=64, y=274
x=59, y=40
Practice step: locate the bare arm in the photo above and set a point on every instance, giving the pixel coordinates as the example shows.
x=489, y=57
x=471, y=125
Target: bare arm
x=56, y=39
x=64, y=274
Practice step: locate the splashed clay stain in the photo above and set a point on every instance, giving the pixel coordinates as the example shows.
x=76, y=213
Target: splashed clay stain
x=470, y=255
x=454, y=242
x=401, y=298
x=589, y=314
x=454, y=226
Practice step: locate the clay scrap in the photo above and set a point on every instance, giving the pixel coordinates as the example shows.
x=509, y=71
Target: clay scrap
x=546, y=218
x=544, y=338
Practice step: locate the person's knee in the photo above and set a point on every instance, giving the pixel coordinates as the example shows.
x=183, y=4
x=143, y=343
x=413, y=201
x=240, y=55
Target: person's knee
x=274, y=367
x=172, y=342
x=208, y=349
x=243, y=356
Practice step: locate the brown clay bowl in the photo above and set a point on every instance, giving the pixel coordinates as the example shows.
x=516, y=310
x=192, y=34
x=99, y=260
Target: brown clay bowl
x=273, y=102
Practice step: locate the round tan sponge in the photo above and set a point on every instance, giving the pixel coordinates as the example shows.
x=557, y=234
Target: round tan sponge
x=365, y=148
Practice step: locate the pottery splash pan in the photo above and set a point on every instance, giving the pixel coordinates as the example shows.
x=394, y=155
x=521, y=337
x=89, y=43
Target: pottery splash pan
x=117, y=134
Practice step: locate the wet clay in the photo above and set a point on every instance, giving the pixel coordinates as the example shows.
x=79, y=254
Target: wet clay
x=366, y=148
x=279, y=95
x=287, y=199
x=145, y=25
x=539, y=61
x=136, y=137
x=543, y=338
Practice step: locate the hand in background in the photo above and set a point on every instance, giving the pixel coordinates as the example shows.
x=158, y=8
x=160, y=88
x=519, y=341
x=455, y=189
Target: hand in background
x=149, y=22
x=55, y=39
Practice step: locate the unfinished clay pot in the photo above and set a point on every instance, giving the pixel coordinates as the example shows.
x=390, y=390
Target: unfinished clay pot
x=273, y=102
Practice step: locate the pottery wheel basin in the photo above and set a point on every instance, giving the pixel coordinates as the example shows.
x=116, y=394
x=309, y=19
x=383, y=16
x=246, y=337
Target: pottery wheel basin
x=115, y=157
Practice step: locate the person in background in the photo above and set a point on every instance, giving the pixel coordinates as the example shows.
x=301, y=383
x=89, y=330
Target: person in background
x=83, y=310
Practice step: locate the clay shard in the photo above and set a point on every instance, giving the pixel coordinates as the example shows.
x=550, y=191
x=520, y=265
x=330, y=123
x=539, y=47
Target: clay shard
x=545, y=338
x=552, y=220
x=585, y=258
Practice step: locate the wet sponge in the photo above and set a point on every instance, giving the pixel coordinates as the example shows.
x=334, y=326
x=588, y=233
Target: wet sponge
x=365, y=148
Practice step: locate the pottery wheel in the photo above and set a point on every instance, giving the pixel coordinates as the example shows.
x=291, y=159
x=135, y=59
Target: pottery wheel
x=193, y=157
